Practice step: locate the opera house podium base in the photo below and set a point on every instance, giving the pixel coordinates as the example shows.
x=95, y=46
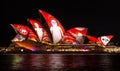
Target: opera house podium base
x=63, y=49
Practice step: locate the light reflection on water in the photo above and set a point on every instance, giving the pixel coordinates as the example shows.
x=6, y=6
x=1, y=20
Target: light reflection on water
x=59, y=62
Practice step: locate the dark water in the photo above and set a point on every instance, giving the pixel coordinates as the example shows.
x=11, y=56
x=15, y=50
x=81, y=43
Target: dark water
x=60, y=62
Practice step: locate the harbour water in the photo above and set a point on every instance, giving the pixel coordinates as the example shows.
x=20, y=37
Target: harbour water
x=60, y=62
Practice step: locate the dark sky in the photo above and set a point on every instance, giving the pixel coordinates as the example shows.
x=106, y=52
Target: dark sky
x=101, y=17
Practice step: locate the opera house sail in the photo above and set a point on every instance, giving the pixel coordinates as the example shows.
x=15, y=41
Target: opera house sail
x=56, y=28
x=104, y=40
x=40, y=30
x=79, y=33
x=53, y=35
x=101, y=41
x=25, y=36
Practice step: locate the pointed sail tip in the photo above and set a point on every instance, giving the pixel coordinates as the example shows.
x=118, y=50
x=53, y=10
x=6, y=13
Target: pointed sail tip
x=14, y=27
x=11, y=24
x=28, y=19
x=40, y=10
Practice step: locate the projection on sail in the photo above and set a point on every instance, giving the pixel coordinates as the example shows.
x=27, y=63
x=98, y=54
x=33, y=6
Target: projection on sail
x=104, y=40
x=41, y=32
x=92, y=38
x=78, y=33
x=68, y=39
x=25, y=31
x=56, y=28
x=25, y=37
x=17, y=38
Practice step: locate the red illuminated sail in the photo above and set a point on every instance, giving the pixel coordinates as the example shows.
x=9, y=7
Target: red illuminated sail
x=56, y=28
x=92, y=38
x=32, y=35
x=78, y=30
x=45, y=36
x=78, y=33
x=104, y=40
x=68, y=38
x=25, y=31
x=41, y=32
x=21, y=29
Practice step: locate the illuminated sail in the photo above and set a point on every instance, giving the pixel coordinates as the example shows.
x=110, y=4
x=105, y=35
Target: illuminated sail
x=78, y=33
x=18, y=37
x=41, y=32
x=104, y=40
x=68, y=39
x=56, y=28
x=25, y=31
x=21, y=29
x=32, y=36
x=45, y=36
x=92, y=38
x=25, y=37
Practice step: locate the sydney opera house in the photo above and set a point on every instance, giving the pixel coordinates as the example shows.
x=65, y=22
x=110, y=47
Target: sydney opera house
x=48, y=34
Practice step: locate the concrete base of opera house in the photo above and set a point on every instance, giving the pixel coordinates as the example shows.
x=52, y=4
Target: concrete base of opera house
x=61, y=49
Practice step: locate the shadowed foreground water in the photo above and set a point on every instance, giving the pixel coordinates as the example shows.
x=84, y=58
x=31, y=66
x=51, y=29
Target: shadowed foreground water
x=60, y=62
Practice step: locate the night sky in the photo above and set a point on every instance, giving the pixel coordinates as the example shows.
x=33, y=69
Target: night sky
x=101, y=17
